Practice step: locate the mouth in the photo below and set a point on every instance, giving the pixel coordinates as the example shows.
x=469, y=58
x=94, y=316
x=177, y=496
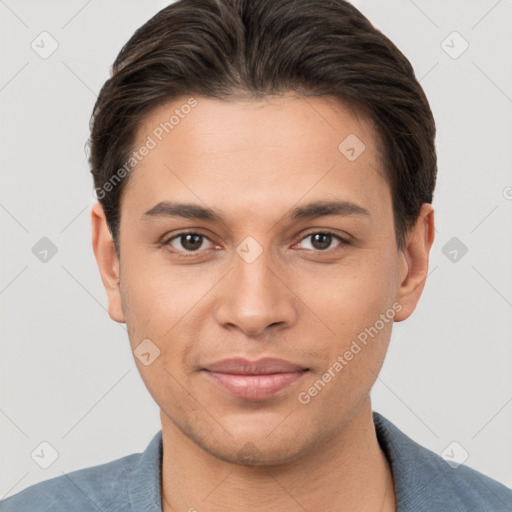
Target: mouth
x=254, y=380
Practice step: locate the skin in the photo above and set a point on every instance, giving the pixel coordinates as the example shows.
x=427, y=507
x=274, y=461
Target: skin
x=253, y=162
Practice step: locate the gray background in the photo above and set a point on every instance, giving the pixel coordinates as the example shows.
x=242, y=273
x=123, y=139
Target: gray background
x=67, y=374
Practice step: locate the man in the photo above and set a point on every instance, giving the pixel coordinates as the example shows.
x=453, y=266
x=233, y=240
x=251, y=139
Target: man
x=265, y=172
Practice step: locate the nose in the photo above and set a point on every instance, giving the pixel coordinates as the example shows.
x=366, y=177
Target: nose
x=255, y=297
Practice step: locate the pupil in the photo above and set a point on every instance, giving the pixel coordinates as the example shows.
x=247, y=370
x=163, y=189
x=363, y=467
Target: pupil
x=321, y=241
x=192, y=242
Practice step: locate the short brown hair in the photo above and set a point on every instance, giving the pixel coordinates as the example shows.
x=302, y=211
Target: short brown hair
x=227, y=48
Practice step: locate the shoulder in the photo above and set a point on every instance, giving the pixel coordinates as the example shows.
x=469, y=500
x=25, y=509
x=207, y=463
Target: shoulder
x=425, y=481
x=107, y=487
x=93, y=488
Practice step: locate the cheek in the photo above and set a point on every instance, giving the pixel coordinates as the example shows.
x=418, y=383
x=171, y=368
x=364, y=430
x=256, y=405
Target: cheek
x=164, y=304
x=352, y=297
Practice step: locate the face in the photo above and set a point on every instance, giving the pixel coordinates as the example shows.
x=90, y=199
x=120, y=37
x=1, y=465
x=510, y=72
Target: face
x=248, y=234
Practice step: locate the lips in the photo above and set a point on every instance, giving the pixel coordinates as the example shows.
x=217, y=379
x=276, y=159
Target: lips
x=264, y=366
x=253, y=380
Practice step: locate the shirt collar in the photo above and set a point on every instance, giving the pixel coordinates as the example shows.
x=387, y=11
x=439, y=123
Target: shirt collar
x=144, y=480
x=415, y=469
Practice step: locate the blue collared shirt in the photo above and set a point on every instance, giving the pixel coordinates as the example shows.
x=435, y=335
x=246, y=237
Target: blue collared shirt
x=424, y=482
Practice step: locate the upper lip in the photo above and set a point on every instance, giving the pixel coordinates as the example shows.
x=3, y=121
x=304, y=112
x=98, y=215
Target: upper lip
x=265, y=366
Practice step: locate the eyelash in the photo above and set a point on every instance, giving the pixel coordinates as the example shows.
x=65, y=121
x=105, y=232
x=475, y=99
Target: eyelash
x=190, y=254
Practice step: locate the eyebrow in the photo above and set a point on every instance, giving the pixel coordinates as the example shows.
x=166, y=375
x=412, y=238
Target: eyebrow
x=310, y=211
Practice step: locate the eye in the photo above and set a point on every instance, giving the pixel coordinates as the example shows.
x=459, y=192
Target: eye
x=322, y=240
x=187, y=242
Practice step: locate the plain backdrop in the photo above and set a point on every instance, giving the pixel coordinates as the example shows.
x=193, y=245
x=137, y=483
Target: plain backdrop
x=68, y=377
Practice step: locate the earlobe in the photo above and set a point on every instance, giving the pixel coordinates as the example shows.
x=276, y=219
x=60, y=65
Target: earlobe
x=108, y=263
x=413, y=265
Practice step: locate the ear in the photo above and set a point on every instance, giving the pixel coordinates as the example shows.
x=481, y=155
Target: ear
x=413, y=265
x=108, y=263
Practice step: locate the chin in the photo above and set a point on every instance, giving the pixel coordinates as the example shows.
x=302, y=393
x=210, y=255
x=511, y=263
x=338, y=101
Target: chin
x=250, y=454
x=253, y=450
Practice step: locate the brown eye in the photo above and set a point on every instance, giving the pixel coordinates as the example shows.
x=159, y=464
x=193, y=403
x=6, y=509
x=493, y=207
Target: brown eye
x=322, y=241
x=186, y=242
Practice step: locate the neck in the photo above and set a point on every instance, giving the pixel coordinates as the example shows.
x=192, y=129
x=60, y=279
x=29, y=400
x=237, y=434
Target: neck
x=346, y=473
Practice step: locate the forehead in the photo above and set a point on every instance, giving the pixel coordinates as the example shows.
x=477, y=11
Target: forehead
x=275, y=121
x=276, y=144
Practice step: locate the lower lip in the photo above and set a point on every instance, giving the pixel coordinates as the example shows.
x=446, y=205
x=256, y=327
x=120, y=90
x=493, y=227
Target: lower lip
x=254, y=387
